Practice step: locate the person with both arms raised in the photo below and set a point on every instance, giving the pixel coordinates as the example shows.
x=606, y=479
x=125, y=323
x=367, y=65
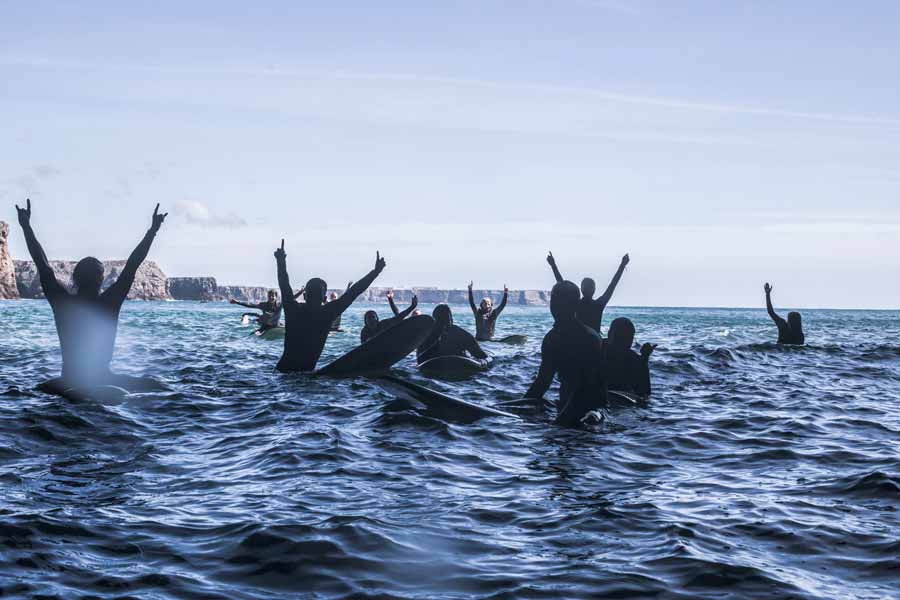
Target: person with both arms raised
x=271, y=311
x=307, y=323
x=88, y=319
x=485, y=314
x=590, y=311
x=373, y=325
x=790, y=331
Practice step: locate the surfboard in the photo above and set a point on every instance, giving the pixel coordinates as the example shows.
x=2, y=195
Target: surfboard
x=435, y=402
x=245, y=320
x=383, y=350
x=454, y=367
x=273, y=333
x=516, y=340
x=624, y=399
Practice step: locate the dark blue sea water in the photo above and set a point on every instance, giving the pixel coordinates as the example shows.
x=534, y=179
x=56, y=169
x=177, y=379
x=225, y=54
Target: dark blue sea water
x=755, y=472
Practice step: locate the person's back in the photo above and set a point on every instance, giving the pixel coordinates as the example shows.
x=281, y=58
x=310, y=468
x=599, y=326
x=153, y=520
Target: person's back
x=448, y=339
x=790, y=331
x=627, y=371
x=590, y=310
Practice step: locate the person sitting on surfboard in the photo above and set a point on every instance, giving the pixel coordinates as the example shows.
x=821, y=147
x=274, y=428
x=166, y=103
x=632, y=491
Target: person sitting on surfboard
x=626, y=370
x=271, y=311
x=373, y=325
x=336, y=326
x=446, y=339
x=790, y=331
x=88, y=319
x=576, y=354
x=486, y=315
x=307, y=323
x=590, y=311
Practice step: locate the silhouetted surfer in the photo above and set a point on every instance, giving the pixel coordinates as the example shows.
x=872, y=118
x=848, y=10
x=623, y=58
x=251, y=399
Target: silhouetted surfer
x=307, y=323
x=790, y=331
x=486, y=315
x=575, y=353
x=87, y=320
x=590, y=311
x=373, y=325
x=627, y=371
x=271, y=310
x=447, y=339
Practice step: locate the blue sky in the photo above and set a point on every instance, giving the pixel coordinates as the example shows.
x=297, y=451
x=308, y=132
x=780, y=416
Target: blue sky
x=721, y=144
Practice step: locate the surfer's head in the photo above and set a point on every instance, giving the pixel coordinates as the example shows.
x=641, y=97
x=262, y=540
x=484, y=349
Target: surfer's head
x=588, y=287
x=442, y=314
x=621, y=334
x=795, y=322
x=486, y=305
x=370, y=318
x=564, y=301
x=315, y=291
x=88, y=276
x=333, y=297
x=273, y=296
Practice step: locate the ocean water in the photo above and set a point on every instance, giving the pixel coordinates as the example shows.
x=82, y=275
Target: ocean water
x=755, y=472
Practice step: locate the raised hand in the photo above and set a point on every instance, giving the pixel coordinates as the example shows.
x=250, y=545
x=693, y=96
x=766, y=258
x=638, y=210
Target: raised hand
x=471, y=283
x=505, y=289
x=380, y=263
x=24, y=213
x=279, y=252
x=550, y=259
x=625, y=260
x=158, y=218
x=415, y=301
x=767, y=288
x=647, y=350
x=390, y=295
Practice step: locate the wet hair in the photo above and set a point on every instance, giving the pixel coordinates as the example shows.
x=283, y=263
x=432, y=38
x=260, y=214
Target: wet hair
x=795, y=322
x=564, y=300
x=88, y=274
x=621, y=333
x=369, y=313
x=442, y=314
x=316, y=289
x=588, y=287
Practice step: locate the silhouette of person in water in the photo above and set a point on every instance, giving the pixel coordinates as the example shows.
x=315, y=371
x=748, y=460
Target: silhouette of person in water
x=486, y=315
x=447, y=339
x=790, y=331
x=87, y=320
x=336, y=326
x=627, y=371
x=590, y=311
x=373, y=325
x=271, y=311
x=307, y=323
x=574, y=352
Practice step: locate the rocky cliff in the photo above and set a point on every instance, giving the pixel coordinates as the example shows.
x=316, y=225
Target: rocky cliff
x=430, y=295
x=242, y=293
x=149, y=282
x=203, y=289
x=8, y=288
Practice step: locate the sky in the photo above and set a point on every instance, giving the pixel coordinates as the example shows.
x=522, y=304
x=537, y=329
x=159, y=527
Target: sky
x=720, y=144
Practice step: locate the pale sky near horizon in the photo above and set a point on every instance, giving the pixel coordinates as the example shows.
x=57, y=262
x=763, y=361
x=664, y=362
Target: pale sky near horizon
x=721, y=144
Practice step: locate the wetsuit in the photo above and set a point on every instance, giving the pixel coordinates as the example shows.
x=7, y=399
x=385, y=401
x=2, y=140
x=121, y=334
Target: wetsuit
x=486, y=321
x=271, y=313
x=307, y=324
x=383, y=325
x=590, y=310
x=786, y=333
x=449, y=340
x=576, y=354
x=628, y=371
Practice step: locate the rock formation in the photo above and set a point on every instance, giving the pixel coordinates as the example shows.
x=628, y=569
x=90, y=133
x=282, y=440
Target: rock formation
x=242, y=293
x=149, y=282
x=8, y=290
x=203, y=289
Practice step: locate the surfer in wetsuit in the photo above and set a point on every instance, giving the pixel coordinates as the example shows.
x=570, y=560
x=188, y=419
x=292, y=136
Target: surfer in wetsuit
x=271, y=311
x=447, y=339
x=590, y=311
x=576, y=354
x=88, y=319
x=627, y=371
x=307, y=323
x=790, y=331
x=373, y=325
x=336, y=326
x=486, y=315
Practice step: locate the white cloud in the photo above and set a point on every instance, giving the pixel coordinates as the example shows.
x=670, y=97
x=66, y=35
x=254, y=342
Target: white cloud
x=194, y=212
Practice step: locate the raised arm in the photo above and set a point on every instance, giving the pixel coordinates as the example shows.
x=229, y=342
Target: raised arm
x=499, y=309
x=49, y=283
x=545, y=374
x=552, y=262
x=611, y=288
x=284, y=281
x=245, y=304
x=138, y=255
x=771, y=309
x=472, y=300
x=408, y=310
x=390, y=299
x=355, y=289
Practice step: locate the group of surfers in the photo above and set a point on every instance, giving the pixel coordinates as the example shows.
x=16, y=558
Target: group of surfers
x=574, y=351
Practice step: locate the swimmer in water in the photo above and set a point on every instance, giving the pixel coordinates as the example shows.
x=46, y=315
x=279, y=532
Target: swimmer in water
x=576, y=354
x=486, y=315
x=790, y=331
x=336, y=326
x=590, y=311
x=307, y=323
x=88, y=319
x=446, y=339
x=626, y=370
x=373, y=325
x=271, y=311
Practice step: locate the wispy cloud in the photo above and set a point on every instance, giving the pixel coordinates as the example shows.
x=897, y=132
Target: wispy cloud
x=197, y=213
x=30, y=181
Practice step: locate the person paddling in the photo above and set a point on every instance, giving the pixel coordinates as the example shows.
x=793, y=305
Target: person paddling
x=485, y=314
x=307, y=323
x=271, y=311
x=790, y=331
x=87, y=320
x=590, y=310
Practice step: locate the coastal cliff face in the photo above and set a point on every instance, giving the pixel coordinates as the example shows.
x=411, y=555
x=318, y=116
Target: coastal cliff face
x=8, y=290
x=242, y=293
x=193, y=288
x=149, y=282
x=428, y=295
